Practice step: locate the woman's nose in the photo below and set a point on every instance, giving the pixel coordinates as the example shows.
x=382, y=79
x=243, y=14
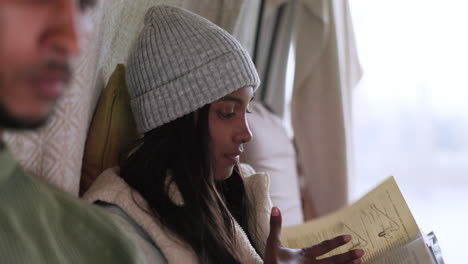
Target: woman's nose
x=244, y=134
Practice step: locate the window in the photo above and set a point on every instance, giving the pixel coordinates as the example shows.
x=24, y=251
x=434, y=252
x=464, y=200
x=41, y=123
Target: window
x=410, y=111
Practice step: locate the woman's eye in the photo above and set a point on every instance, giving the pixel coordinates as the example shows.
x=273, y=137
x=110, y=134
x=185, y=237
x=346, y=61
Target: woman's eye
x=226, y=115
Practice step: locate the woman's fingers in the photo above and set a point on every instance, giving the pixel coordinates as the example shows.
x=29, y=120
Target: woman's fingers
x=327, y=246
x=275, y=253
x=273, y=243
x=275, y=227
x=352, y=256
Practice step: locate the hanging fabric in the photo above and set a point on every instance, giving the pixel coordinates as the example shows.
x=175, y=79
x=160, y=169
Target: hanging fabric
x=327, y=68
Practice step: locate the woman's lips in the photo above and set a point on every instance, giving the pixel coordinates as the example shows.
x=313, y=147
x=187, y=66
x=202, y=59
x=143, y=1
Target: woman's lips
x=233, y=157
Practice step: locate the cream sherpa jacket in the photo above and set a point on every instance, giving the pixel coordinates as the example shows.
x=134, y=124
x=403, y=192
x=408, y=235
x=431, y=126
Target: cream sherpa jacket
x=111, y=188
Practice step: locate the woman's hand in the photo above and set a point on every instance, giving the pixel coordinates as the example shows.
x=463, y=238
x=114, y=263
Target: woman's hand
x=275, y=253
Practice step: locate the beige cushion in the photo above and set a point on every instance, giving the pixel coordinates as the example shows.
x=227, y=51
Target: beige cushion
x=271, y=151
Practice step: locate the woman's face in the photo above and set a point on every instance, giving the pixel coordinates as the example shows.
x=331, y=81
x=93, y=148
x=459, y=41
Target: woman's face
x=229, y=130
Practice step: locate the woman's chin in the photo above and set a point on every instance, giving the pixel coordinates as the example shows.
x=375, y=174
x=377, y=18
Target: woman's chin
x=224, y=173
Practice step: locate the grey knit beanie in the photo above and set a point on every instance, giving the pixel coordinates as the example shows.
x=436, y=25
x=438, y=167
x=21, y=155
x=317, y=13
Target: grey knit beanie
x=181, y=62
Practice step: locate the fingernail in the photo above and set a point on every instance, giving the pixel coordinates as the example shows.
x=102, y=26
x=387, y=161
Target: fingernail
x=275, y=211
x=358, y=253
x=357, y=261
x=346, y=238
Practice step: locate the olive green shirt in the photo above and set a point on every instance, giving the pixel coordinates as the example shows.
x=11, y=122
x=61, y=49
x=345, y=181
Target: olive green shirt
x=41, y=224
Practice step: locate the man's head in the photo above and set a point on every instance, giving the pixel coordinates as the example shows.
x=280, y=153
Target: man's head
x=37, y=41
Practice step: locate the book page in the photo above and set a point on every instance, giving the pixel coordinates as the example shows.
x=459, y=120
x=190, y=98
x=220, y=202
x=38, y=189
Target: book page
x=379, y=221
x=414, y=252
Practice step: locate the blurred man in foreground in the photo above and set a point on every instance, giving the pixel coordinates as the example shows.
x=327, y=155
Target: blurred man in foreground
x=38, y=223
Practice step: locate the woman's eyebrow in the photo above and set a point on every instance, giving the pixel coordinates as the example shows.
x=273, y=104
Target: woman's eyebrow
x=234, y=99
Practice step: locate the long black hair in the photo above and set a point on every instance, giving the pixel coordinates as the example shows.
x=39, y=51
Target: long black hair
x=179, y=152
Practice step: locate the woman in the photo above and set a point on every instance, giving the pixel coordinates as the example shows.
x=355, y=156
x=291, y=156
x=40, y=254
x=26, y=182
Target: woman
x=182, y=189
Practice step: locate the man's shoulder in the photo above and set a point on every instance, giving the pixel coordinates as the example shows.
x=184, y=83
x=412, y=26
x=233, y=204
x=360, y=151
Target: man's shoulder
x=49, y=224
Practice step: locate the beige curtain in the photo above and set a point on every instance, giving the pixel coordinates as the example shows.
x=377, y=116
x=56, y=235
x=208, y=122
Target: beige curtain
x=55, y=152
x=327, y=68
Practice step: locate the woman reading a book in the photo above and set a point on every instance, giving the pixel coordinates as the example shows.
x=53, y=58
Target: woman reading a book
x=182, y=187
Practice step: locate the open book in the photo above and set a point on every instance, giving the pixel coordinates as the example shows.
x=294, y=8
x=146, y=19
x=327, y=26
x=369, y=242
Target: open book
x=380, y=223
